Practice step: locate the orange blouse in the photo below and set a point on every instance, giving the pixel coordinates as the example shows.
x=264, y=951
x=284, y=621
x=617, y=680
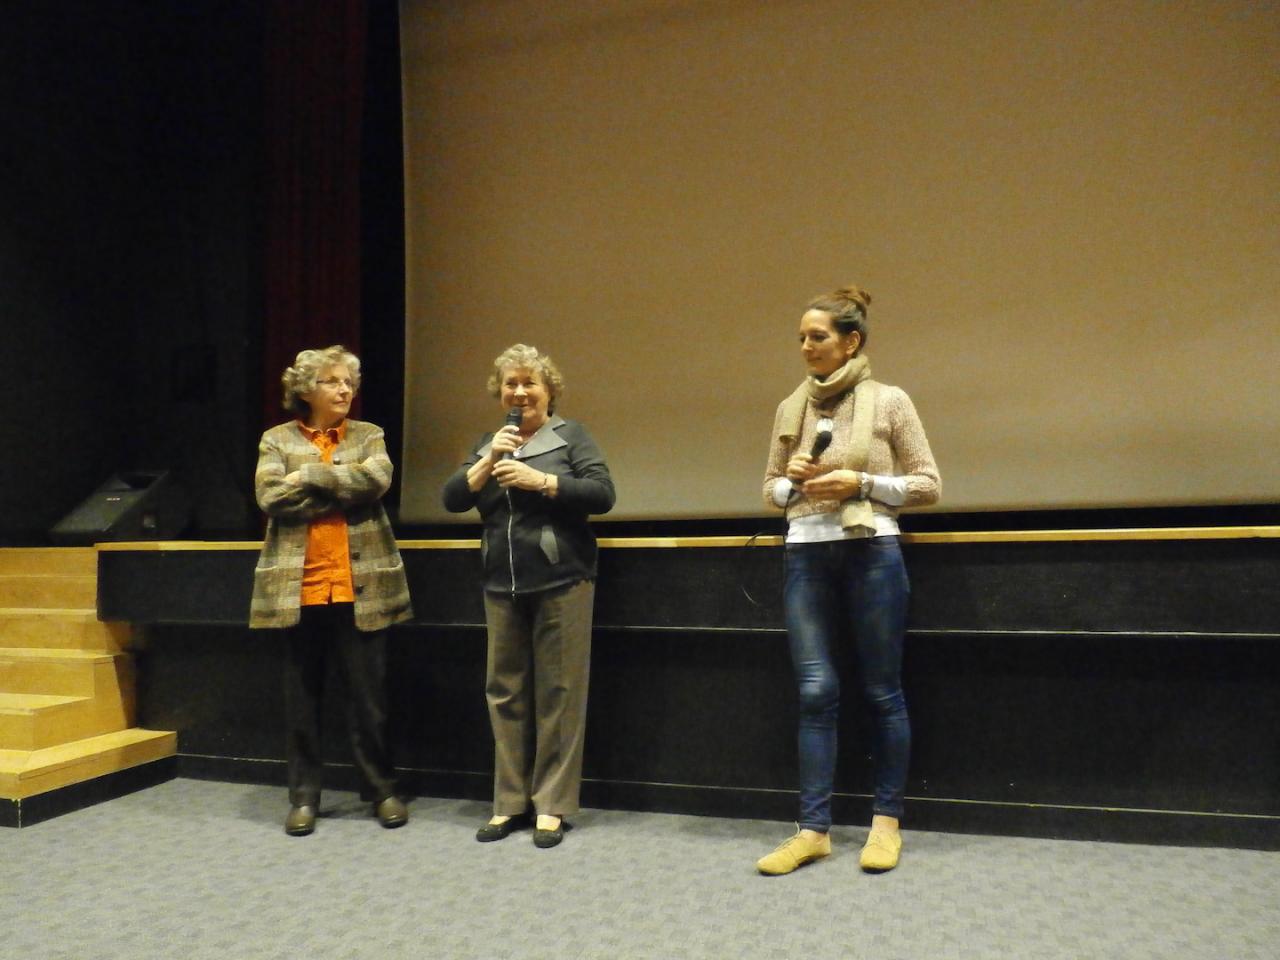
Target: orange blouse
x=326, y=572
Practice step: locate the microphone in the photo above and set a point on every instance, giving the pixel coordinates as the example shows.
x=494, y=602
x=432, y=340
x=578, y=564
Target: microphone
x=514, y=418
x=820, y=443
x=823, y=439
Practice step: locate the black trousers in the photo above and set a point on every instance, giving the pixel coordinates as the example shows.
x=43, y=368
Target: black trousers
x=323, y=634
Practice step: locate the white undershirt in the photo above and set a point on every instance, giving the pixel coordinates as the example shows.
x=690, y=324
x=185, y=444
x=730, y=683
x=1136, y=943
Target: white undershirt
x=823, y=527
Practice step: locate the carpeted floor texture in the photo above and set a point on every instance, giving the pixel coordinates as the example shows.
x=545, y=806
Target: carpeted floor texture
x=192, y=870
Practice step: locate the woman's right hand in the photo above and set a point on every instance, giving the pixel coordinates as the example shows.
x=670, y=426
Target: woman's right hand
x=505, y=441
x=801, y=468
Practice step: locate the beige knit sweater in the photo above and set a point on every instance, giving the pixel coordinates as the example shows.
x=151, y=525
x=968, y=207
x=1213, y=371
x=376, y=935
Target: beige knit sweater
x=899, y=447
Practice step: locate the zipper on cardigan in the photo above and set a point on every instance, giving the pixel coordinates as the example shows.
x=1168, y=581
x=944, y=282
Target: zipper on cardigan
x=511, y=550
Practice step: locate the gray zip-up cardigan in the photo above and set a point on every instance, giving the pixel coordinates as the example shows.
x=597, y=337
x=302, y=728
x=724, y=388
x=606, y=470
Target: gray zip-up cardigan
x=532, y=542
x=354, y=483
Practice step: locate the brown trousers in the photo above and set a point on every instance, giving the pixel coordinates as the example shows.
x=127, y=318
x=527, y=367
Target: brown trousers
x=539, y=664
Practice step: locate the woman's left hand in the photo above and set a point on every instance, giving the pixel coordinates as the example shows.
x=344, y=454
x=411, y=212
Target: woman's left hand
x=835, y=485
x=514, y=473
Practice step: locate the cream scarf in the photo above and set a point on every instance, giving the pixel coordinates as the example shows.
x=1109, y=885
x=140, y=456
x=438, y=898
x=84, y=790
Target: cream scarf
x=855, y=374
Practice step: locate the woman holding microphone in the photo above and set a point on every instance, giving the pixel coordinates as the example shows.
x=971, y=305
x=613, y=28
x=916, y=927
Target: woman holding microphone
x=535, y=482
x=846, y=454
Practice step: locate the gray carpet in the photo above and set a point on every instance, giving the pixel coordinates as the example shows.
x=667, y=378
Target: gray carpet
x=193, y=870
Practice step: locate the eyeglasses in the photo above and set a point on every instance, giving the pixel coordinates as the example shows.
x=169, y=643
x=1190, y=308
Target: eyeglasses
x=333, y=383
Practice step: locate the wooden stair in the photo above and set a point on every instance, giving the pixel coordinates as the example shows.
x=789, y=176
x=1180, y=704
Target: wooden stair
x=67, y=698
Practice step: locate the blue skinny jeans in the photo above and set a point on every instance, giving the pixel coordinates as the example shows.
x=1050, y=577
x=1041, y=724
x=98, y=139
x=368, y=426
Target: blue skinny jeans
x=848, y=591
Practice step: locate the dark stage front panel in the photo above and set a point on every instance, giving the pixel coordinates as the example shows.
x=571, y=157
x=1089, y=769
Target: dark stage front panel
x=1123, y=689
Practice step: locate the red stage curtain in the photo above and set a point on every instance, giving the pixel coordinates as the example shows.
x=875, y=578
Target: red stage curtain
x=314, y=91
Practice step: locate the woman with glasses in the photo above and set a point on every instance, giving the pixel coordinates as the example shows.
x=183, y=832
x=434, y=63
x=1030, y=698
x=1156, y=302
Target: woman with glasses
x=329, y=576
x=846, y=454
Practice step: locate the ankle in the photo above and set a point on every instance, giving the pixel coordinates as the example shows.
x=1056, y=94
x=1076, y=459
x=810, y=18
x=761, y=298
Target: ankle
x=885, y=824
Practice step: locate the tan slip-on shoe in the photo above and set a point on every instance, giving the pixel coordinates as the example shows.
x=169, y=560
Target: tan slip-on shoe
x=881, y=852
x=793, y=853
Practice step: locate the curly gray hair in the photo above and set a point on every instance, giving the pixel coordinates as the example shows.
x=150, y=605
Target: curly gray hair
x=307, y=366
x=527, y=358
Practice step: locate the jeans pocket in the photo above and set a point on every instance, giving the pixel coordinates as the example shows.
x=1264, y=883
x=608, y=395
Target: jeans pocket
x=884, y=551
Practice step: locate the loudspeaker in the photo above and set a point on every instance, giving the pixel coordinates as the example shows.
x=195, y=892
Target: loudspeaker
x=140, y=505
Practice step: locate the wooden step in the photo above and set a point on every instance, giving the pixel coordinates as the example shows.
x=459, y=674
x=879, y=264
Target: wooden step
x=26, y=773
x=66, y=673
x=44, y=561
x=32, y=721
x=60, y=628
x=49, y=590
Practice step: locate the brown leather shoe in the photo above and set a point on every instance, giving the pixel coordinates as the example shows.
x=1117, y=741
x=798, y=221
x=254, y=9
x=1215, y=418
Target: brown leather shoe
x=300, y=821
x=391, y=812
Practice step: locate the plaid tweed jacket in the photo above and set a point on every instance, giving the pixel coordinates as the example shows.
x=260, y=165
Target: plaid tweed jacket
x=354, y=483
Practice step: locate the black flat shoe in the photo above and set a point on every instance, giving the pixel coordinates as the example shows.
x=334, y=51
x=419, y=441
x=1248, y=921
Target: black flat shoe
x=546, y=839
x=500, y=831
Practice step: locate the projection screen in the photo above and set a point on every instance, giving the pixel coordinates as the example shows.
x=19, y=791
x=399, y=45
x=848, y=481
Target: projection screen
x=1066, y=214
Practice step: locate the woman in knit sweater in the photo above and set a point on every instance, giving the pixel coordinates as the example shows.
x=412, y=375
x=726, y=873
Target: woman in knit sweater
x=846, y=454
